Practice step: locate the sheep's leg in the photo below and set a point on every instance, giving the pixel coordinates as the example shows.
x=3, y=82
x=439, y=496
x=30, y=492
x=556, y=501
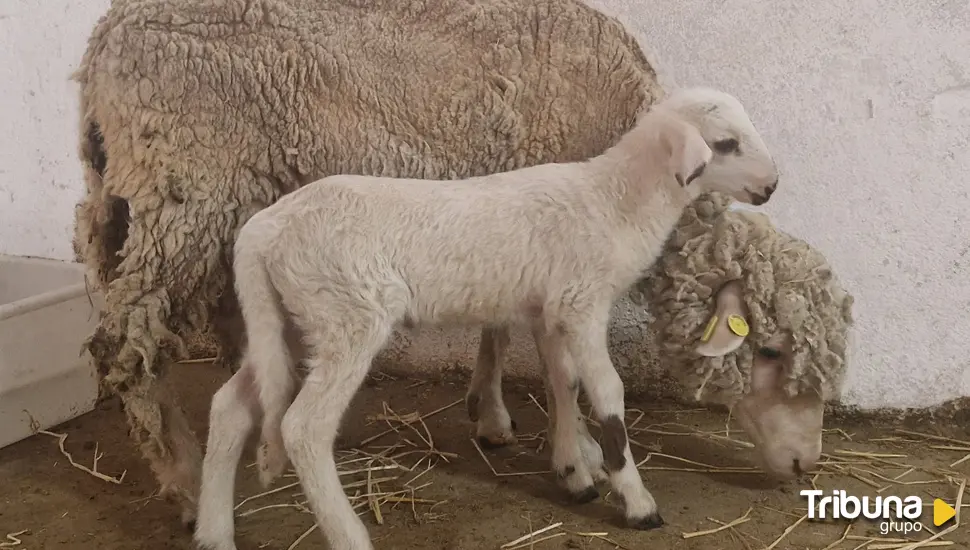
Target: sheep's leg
x=338, y=362
x=562, y=391
x=494, y=426
x=234, y=411
x=161, y=431
x=586, y=345
x=228, y=326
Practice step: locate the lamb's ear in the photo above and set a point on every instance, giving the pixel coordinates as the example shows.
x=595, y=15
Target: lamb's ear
x=689, y=152
x=728, y=326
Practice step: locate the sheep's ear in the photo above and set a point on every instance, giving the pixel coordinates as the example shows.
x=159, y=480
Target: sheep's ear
x=689, y=152
x=728, y=326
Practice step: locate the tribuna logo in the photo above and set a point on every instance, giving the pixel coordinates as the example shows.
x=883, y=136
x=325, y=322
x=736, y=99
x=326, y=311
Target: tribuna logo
x=894, y=513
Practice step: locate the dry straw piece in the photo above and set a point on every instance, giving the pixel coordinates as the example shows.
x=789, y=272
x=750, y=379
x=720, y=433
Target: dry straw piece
x=93, y=470
x=738, y=521
x=515, y=543
x=12, y=539
x=377, y=467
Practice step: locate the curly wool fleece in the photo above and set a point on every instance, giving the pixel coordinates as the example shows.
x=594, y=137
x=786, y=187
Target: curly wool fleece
x=788, y=286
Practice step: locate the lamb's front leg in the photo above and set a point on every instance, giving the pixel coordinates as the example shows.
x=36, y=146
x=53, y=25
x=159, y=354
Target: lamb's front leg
x=494, y=426
x=574, y=461
x=586, y=345
x=487, y=408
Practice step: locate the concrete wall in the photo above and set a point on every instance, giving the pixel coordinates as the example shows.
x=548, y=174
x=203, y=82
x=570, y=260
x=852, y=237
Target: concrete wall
x=40, y=179
x=866, y=104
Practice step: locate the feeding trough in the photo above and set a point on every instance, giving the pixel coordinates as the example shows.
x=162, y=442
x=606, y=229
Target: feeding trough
x=45, y=315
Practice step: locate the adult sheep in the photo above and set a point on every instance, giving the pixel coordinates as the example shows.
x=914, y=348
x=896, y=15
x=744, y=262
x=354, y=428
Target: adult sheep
x=747, y=317
x=195, y=114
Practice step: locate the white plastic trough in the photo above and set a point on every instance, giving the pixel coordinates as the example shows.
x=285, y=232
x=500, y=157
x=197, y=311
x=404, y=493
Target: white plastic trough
x=45, y=315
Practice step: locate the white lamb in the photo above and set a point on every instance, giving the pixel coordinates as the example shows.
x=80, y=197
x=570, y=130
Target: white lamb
x=551, y=247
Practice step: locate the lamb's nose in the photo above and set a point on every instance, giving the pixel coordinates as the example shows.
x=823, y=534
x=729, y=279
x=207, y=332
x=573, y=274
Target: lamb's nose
x=797, y=467
x=771, y=189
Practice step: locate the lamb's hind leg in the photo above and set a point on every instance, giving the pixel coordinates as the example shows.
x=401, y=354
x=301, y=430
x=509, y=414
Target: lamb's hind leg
x=340, y=355
x=271, y=458
x=494, y=426
x=586, y=344
x=234, y=411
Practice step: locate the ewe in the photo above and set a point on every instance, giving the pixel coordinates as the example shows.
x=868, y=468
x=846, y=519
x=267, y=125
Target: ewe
x=348, y=258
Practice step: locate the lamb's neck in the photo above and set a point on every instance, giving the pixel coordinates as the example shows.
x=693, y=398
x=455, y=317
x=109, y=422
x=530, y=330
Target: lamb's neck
x=646, y=200
x=650, y=216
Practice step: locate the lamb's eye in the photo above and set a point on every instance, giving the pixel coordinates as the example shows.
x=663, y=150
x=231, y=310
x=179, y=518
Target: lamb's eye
x=725, y=146
x=770, y=353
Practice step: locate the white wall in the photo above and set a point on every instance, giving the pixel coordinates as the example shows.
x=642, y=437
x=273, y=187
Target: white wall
x=866, y=104
x=40, y=179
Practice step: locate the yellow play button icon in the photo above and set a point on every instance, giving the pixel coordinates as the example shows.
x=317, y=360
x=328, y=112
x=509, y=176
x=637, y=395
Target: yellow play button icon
x=942, y=512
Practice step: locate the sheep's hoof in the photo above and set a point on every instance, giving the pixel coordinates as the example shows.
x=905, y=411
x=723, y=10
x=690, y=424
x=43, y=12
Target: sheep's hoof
x=471, y=405
x=498, y=442
x=187, y=518
x=585, y=496
x=652, y=521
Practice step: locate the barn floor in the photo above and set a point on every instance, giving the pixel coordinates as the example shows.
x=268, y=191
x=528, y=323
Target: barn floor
x=45, y=503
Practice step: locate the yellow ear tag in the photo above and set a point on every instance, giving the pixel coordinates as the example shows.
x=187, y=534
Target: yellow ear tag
x=710, y=329
x=738, y=325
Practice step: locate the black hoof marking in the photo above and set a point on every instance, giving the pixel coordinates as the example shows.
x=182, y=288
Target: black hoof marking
x=472, y=404
x=614, y=443
x=647, y=523
x=486, y=444
x=587, y=495
x=190, y=525
x=514, y=426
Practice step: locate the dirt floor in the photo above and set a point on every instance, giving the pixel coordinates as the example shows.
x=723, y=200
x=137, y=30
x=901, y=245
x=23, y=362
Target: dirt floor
x=701, y=480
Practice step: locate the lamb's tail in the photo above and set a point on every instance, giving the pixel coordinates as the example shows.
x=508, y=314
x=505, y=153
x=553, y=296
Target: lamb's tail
x=267, y=351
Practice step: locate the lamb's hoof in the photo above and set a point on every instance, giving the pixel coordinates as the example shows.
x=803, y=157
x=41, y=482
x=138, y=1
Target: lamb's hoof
x=585, y=496
x=190, y=525
x=652, y=521
x=498, y=442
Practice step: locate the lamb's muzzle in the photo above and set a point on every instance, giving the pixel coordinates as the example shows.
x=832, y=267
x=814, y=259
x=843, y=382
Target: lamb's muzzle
x=348, y=258
x=761, y=199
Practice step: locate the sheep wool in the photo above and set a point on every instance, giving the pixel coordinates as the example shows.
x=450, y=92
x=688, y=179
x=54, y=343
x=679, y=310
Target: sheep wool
x=788, y=286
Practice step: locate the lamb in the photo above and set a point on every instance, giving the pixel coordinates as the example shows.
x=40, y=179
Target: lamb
x=195, y=114
x=784, y=357
x=346, y=259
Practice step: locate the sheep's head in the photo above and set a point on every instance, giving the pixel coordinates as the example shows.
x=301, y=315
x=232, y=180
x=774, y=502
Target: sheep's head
x=741, y=165
x=786, y=430
x=785, y=353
